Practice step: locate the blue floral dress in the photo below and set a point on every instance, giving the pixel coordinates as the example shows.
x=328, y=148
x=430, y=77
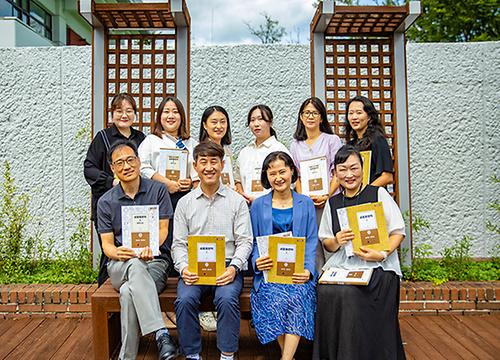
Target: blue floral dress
x=279, y=309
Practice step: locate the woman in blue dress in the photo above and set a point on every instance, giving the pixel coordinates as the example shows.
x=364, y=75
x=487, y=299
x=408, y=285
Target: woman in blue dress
x=283, y=312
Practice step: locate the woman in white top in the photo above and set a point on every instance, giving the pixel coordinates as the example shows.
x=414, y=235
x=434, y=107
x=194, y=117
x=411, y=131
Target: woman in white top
x=215, y=127
x=260, y=122
x=169, y=131
x=353, y=321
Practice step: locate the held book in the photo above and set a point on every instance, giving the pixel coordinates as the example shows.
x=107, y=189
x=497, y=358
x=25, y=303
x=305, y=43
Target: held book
x=206, y=257
x=314, y=176
x=227, y=177
x=349, y=277
x=263, y=247
x=253, y=185
x=141, y=227
x=367, y=162
x=367, y=222
x=173, y=164
x=287, y=254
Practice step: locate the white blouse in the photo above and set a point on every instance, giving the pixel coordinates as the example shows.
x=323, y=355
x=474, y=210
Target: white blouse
x=395, y=225
x=149, y=152
x=251, y=159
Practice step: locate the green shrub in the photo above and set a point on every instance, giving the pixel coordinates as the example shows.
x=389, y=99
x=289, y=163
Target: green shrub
x=31, y=259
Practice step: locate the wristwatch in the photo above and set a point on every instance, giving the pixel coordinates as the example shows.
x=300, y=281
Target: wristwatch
x=236, y=268
x=384, y=254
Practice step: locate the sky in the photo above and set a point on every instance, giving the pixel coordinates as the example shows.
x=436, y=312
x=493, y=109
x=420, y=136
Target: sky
x=223, y=21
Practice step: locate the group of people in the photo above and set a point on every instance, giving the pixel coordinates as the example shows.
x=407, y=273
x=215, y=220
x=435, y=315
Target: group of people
x=344, y=321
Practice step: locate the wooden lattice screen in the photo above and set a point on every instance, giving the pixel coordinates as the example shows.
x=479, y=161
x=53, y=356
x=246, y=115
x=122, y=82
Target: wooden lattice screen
x=144, y=66
x=360, y=67
x=356, y=46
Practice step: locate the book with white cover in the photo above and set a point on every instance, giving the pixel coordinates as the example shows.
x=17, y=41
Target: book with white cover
x=141, y=227
x=349, y=277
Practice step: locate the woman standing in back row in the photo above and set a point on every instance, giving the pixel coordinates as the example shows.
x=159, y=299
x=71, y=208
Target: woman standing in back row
x=215, y=127
x=313, y=138
x=170, y=132
x=260, y=122
x=365, y=132
x=97, y=171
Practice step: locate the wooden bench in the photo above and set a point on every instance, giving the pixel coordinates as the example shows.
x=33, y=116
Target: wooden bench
x=106, y=309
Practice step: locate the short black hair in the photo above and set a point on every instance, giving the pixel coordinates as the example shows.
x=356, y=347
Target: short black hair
x=226, y=139
x=343, y=154
x=208, y=148
x=272, y=157
x=121, y=144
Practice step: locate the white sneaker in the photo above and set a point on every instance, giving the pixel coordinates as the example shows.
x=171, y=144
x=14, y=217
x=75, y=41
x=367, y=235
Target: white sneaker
x=208, y=321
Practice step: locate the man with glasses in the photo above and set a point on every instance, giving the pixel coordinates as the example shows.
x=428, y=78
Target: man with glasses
x=138, y=277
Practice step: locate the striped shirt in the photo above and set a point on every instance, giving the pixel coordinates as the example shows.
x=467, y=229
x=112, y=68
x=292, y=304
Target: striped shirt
x=225, y=213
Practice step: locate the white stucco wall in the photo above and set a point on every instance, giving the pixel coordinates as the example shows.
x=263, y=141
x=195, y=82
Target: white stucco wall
x=453, y=105
x=45, y=102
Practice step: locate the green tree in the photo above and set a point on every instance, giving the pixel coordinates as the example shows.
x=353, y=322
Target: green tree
x=457, y=21
x=270, y=32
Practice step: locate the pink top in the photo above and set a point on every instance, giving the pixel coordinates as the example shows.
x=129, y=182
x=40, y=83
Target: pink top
x=326, y=145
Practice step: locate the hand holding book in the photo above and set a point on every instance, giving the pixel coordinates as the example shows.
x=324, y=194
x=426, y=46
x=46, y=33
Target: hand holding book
x=369, y=254
x=301, y=278
x=189, y=277
x=344, y=236
x=264, y=263
x=227, y=277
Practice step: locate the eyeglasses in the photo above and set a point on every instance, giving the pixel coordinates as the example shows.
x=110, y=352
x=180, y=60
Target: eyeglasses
x=119, y=164
x=127, y=112
x=308, y=113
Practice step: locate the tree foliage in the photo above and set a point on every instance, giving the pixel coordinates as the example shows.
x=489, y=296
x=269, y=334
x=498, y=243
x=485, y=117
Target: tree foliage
x=457, y=21
x=270, y=32
x=449, y=20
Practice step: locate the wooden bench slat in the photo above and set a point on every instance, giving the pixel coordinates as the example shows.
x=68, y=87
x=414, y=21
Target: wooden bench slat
x=106, y=302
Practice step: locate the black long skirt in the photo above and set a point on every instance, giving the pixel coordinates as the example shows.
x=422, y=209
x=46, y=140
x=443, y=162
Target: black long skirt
x=359, y=322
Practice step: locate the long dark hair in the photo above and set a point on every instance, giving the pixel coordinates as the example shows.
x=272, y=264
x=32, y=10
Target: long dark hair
x=374, y=128
x=226, y=139
x=324, y=126
x=158, y=127
x=267, y=116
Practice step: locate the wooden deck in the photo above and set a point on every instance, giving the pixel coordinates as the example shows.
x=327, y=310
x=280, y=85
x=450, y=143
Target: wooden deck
x=425, y=337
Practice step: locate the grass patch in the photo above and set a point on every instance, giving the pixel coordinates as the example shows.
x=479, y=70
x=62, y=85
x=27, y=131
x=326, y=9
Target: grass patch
x=29, y=258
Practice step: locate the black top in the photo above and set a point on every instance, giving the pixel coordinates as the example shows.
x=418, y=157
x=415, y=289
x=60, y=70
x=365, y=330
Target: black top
x=96, y=168
x=368, y=195
x=109, y=208
x=381, y=156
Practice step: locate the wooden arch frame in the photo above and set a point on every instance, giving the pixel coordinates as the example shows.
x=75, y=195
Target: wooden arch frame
x=139, y=48
x=361, y=50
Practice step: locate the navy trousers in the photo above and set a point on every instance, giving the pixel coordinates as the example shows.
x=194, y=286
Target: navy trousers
x=227, y=305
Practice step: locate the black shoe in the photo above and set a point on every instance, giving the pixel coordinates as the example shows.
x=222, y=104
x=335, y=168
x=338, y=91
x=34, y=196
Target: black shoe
x=167, y=350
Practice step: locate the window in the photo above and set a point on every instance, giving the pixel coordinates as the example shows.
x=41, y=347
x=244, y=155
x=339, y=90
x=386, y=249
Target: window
x=30, y=13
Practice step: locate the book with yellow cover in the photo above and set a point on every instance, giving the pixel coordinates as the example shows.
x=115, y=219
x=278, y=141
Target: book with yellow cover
x=206, y=257
x=367, y=222
x=287, y=254
x=367, y=162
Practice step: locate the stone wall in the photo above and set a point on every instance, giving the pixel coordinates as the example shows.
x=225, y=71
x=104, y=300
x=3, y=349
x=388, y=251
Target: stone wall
x=453, y=96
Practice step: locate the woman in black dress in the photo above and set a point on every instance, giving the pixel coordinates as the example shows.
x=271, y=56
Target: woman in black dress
x=365, y=132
